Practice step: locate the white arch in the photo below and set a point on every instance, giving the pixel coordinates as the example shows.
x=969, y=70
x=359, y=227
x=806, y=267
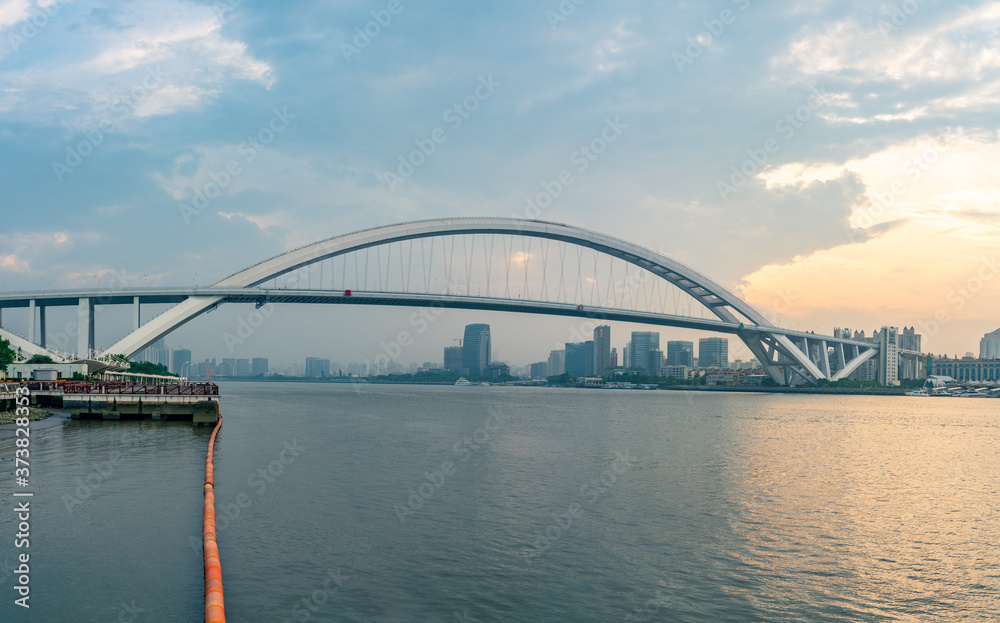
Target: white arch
x=720, y=301
x=709, y=293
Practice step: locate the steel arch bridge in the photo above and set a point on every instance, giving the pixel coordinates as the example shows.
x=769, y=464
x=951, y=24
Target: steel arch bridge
x=571, y=272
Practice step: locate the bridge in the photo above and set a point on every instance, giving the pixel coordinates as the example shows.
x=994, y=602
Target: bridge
x=504, y=265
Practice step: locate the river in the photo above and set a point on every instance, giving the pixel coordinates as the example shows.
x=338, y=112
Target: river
x=414, y=503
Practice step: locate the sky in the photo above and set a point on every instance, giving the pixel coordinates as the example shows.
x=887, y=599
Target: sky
x=832, y=162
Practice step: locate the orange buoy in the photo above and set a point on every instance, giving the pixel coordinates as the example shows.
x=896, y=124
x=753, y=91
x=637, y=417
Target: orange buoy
x=215, y=611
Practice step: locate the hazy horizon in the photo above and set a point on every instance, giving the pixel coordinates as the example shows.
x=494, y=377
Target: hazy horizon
x=831, y=163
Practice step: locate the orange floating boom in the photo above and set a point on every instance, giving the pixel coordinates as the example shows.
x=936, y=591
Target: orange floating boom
x=215, y=611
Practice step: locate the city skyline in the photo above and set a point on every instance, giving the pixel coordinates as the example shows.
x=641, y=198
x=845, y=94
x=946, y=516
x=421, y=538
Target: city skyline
x=828, y=216
x=584, y=357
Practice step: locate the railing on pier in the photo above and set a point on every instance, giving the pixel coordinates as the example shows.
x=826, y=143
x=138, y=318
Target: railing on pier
x=95, y=388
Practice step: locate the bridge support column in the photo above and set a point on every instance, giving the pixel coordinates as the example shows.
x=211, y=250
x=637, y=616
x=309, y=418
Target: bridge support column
x=85, y=335
x=41, y=325
x=135, y=313
x=32, y=308
x=789, y=360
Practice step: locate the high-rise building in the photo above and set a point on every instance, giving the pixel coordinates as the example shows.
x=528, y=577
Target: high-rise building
x=476, y=348
x=713, y=352
x=867, y=371
x=156, y=353
x=539, y=370
x=602, y=349
x=680, y=353
x=227, y=367
x=657, y=360
x=557, y=362
x=641, y=351
x=989, y=346
x=242, y=367
x=576, y=359
x=909, y=339
x=317, y=367
x=181, y=362
x=888, y=356
x=614, y=357
x=258, y=367
x=453, y=358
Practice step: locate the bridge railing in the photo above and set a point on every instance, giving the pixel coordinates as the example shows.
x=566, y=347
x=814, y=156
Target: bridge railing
x=126, y=389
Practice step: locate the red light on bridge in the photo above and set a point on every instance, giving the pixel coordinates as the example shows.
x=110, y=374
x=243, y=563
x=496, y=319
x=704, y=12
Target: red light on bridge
x=347, y=292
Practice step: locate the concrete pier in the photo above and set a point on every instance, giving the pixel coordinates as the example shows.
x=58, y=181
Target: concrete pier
x=197, y=403
x=8, y=396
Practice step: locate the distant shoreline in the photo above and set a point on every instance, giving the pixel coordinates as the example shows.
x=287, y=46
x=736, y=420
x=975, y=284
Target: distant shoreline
x=850, y=391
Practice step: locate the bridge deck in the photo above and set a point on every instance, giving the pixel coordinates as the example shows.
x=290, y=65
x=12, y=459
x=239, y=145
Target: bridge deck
x=338, y=297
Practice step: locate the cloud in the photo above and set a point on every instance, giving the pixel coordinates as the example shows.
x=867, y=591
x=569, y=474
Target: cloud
x=14, y=12
x=151, y=59
x=897, y=66
x=13, y=263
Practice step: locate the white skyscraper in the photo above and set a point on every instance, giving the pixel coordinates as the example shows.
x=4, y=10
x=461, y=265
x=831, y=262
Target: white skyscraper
x=989, y=346
x=888, y=369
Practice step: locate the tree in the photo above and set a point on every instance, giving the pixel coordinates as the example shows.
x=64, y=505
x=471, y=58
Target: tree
x=150, y=368
x=6, y=354
x=40, y=359
x=560, y=379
